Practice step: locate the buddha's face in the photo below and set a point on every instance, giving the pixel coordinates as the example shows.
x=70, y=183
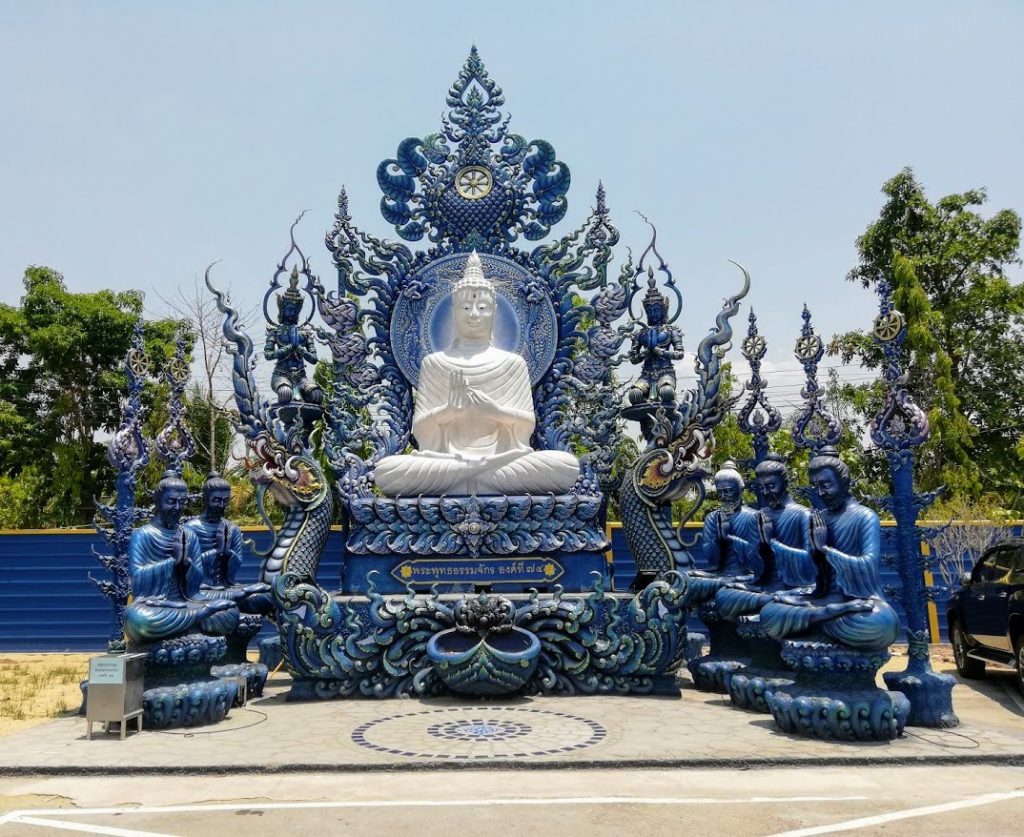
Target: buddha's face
x=729, y=491
x=473, y=313
x=829, y=488
x=216, y=504
x=171, y=506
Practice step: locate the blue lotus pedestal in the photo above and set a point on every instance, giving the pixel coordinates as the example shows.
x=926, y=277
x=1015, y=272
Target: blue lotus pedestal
x=751, y=686
x=726, y=656
x=180, y=689
x=236, y=662
x=835, y=696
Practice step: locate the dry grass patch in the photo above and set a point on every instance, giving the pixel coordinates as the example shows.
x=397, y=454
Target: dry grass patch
x=36, y=687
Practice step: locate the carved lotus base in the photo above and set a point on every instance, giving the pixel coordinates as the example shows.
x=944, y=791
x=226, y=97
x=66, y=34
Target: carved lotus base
x=728, y=654
x=249, y=625
x=694, y=645
x=834, y=695
x=751, y=688
x=713, y=675
x=180, y=691
x=188, y=704
x=270, y=652
x=255, y=675
x=853, y=715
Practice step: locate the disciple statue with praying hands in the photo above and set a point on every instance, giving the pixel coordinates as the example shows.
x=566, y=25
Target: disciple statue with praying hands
x=220, y=544
x=165, y=563
x=846, y=604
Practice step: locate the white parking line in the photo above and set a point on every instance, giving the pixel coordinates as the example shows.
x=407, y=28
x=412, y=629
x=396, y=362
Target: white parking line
x=19, y=816
x=89, y=829
x=906, y=814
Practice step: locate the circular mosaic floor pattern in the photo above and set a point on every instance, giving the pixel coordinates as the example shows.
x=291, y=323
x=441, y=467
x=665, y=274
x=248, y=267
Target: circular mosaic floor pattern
x=479, y=732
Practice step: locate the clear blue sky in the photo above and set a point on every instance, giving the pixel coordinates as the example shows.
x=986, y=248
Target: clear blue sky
x=142, y=140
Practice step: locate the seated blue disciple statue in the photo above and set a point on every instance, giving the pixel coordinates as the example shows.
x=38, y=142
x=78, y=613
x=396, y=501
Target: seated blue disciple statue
x=784, y=542
x=220, y=544
x=730, y=532
x=474, y=415
x=166, y=570
x=846, y=604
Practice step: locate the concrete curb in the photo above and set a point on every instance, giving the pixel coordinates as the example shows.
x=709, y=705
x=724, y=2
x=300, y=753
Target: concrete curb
x=938, y=760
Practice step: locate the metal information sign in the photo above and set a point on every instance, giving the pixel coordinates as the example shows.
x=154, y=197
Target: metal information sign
x=108, y=670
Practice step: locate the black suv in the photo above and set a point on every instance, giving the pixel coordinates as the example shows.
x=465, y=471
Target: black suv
x=986, y=614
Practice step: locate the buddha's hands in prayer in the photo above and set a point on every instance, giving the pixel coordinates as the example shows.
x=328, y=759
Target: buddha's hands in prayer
x=179, y=554
x=724, y=527
x=765, y=528
x=819, y=532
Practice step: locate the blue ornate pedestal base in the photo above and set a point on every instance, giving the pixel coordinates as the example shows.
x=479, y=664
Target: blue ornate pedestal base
x=727, y=654
x=180, y=690
x=236, y=661
x=835, y=696
x=270, y=652
x=482, y=644
x=929, y=693
x=255, y=675
x=249, y=625
x=751, y=686
x=505, y=544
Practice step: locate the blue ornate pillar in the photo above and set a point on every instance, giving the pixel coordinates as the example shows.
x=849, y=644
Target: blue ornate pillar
x=899, y=427
x=814, y=427
x=129, y=453
x=757, y=417
x=174, y=443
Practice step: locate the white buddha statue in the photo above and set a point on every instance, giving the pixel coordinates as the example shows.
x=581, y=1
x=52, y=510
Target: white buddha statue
x=473, y=416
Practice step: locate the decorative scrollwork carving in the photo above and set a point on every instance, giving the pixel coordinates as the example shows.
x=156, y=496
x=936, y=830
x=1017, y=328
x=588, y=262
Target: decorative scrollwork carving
x=815, y=426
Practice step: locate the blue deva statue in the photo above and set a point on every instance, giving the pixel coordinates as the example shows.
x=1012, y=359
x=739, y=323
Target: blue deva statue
x=784, y=537
x=730, y=533
x=166, y=569
x=220, y=543
x=656, y=346
x=291, y=346
x=846, y=604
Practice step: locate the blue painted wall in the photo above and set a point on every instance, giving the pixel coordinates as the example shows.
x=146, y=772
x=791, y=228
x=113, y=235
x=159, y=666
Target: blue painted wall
x=48, y=604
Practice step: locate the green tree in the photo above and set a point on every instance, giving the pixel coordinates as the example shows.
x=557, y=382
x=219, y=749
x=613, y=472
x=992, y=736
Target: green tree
x=60, y=383
x=965, y=339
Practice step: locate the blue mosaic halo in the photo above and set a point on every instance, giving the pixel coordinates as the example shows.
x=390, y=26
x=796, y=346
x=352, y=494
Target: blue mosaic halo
x=524, y=321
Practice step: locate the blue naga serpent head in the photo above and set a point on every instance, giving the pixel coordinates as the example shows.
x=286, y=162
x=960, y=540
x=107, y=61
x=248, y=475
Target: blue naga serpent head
x=293, y=479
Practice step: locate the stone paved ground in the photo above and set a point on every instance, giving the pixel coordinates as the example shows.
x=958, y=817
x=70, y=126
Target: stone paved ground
x=271, y=734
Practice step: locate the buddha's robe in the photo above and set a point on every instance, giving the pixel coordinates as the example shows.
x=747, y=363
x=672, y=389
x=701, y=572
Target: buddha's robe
x=166, y=602
x=470, y=451
x=791, y=559
x=220, y=546
x=728, y=558
x=848, y=607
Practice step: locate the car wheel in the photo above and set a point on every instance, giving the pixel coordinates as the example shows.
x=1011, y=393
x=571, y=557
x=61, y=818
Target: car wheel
x=1018, y=651
x=966, y=666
